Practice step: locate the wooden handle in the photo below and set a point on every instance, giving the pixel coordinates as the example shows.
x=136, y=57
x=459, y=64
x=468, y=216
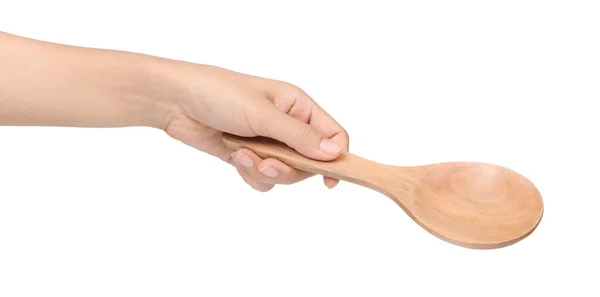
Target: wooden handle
x=347, y=167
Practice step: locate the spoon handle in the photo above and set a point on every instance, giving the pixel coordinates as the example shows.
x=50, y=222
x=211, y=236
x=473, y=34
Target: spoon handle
x=347, y=167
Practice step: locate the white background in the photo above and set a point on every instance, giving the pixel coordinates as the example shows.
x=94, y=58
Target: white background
x=130, y=212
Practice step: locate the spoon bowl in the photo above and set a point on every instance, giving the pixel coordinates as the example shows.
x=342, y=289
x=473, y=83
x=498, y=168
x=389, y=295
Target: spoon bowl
x=476, y=205
x=469, y=204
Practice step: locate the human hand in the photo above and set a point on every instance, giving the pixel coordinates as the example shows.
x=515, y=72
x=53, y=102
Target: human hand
x=214, y=100
x=194, y=103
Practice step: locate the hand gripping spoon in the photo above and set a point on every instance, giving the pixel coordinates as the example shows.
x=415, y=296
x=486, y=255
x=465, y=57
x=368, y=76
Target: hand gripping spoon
x=469, y=204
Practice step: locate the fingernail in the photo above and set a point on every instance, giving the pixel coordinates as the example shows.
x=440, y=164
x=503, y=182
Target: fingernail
x=329, y=147
x=269, y=171
x=244, y=160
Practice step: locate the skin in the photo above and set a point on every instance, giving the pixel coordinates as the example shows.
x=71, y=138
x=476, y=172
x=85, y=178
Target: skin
x=49, y=84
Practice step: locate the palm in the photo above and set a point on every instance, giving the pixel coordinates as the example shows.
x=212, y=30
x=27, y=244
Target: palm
x=197, y=135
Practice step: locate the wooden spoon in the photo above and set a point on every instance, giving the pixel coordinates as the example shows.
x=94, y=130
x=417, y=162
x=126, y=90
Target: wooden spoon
x=469, y=204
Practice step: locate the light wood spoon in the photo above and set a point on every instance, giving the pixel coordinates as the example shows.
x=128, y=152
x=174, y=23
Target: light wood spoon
x=469, y=204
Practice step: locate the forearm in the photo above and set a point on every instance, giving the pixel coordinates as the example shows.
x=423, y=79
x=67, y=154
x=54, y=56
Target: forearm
x=45, y=84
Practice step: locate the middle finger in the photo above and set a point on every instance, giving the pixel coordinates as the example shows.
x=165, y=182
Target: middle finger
x=270, y=170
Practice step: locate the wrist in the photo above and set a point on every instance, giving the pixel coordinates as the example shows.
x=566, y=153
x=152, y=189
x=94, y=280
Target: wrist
x=149, y=96
x=172, y=87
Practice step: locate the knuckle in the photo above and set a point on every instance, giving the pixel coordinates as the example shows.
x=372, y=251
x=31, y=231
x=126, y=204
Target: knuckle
x=294, y=90
x=346, y=134
x=247, y=179
x=289, y=179
x=305, y=131
x=345, y=131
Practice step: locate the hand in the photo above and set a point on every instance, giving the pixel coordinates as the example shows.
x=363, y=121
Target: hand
x=84, y=87
x=217, y=100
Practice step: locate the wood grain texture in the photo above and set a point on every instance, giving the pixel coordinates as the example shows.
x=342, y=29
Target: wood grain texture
x=469, y=204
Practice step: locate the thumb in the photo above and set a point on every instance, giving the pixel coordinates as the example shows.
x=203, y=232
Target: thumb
x=300, y=136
